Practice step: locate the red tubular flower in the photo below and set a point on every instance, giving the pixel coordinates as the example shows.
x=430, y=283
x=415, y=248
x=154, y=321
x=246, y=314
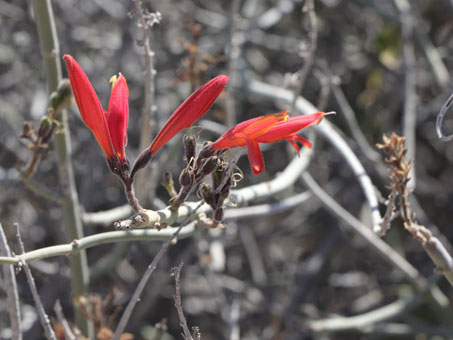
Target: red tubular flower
x=109, y=127
x=185, y=115
x=266, y=129
x=191, y=110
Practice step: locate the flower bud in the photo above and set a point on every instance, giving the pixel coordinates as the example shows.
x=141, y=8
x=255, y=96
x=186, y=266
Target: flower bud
x=189, y=146
x=205, y=193
x=169, y=184
x=62, y=97
x=27, y=131
x=209, y=166
x=185, y=179
x=45, y=129
x=142, y=160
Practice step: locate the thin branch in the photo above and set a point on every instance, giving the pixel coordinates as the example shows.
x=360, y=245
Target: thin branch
x=309, y=54
x=236, y=40
x=63, y=322
x=142, y=284
x=389, y=213
x=12, y=292
x=176, y=272
x=440, y=119
x=75, y=246
x=359, y=322
x=375, y=243
x=351, y=120
x=145, y=21
x=45, y=322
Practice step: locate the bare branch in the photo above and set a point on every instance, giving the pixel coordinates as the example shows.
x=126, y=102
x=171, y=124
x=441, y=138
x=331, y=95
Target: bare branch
x=99, y=239
x=176, y=272
x=45, y=322
x=11, y=289
x=380, y=247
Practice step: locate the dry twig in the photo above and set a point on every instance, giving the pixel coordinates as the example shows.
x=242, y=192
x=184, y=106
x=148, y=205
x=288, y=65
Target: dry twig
x=176, y=272
x=400, y=169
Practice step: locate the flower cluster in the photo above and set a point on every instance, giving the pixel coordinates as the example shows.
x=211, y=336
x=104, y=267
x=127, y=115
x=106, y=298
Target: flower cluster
x=110, y=129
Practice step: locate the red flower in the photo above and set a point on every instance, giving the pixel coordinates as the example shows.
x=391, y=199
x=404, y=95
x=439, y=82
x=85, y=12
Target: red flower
x=185, y=115
x=266, y=129
x=191, y=110
x=109, y=127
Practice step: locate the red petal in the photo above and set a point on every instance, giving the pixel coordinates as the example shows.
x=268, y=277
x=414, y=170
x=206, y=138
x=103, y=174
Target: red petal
x=284, y=129
x=254, y=154
x=293, y=143
x=118, y=114
x=252, y=128
x=89, y=106
x=301, y=140
x=191, y=110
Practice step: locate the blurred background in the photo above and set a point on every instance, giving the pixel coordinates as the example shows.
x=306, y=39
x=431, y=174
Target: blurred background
x=383, y=66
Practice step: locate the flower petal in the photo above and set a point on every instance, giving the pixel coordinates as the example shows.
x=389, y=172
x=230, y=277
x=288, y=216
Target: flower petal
x=191, y=110
x=118, y=114
x=254, y=154
x=283, y=129
x=89, y=106
x=252, y=128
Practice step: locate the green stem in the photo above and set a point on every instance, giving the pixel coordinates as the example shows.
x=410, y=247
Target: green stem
x=48, y=41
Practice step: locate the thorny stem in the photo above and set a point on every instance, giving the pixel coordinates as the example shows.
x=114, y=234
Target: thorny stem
x=48, y=41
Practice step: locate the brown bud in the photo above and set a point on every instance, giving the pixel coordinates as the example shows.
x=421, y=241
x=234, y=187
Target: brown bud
x=46, y=129
x=189, y=146
x=142, y=160
x=27, y=131
x=209, y=166
x=205, y=193
x=185, y=179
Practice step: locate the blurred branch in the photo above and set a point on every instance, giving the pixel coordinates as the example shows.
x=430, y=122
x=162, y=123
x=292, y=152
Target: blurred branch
x=236, y=40
x=107, y=216
x=42, y=191
x=146, y=21
x=440, y=119
x=378, y=245
x=144, y=280
x=76, y=246
x=410, y=97
x=63, y=322
x=48, y=41
x=351, y=119
x=309, y=54
x=268, y=208
x=358, y=322
x=12, y=293
x=331, y=134
x=45, y=322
